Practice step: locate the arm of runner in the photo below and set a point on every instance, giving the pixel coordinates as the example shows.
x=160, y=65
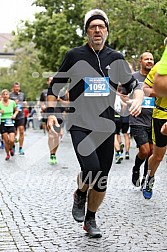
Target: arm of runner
x=16, y=111
x=160, y=85
x=160, y=79
x=135, y=103
x=149, y=91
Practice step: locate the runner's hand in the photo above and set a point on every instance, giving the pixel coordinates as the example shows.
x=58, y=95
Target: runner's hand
x=13, y=117
x=135, y=107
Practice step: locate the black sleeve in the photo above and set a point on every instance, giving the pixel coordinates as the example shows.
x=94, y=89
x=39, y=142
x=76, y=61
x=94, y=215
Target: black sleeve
x=61, y=78
x=121, y=74
x=129, y=87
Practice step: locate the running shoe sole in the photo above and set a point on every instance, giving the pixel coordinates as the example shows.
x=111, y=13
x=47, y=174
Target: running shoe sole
x=91, y=228
x=147, y=194
x=119, y=160
x=92, y=236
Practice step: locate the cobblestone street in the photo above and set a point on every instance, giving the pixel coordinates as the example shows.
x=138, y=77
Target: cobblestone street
x=36, y=200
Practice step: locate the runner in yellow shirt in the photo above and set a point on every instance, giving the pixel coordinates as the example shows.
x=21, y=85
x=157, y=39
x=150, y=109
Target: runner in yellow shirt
x=160, y=81
x=161, y=76
x=159, y=118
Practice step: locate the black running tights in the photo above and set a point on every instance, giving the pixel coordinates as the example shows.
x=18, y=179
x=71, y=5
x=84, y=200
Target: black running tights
x=97, y=164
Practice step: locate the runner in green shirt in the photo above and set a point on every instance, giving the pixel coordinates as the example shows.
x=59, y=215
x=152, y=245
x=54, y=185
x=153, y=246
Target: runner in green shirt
x=8, y=112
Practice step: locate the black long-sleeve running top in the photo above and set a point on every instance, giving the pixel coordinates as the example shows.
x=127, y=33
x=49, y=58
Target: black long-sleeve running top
x=93, y=77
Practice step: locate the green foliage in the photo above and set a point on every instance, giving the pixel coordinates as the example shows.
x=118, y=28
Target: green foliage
x=138, y=26
x=49, y=39
x=56, y=31
x=26, y=70
x=6, y=78
x=135, y=26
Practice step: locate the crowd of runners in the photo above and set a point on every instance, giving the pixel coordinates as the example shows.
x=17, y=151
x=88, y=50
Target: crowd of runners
x=128, y=99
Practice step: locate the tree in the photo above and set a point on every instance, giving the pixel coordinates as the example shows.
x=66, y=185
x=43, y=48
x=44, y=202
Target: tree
x=27, y=70
x=135, y=26
x=54, y=31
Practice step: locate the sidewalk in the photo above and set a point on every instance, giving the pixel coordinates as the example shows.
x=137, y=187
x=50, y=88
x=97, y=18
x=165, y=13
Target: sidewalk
x=36, y=201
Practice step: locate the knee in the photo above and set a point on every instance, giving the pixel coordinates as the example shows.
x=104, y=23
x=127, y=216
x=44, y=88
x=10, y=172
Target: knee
x=92, y=178
x=101, y=184
x=21, y=131
x=144, y=153
x=12, y=140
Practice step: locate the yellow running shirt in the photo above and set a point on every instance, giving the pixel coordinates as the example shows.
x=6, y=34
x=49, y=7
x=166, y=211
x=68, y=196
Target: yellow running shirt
x=162, y=68
x=160, y=101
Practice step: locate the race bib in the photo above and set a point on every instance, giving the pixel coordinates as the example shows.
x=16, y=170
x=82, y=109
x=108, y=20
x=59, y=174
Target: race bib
x=148, y=102
x=20, y=107
x=9, y=122
x=98, y=86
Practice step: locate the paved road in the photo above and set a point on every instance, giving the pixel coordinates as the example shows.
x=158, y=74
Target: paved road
x=36, y=200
